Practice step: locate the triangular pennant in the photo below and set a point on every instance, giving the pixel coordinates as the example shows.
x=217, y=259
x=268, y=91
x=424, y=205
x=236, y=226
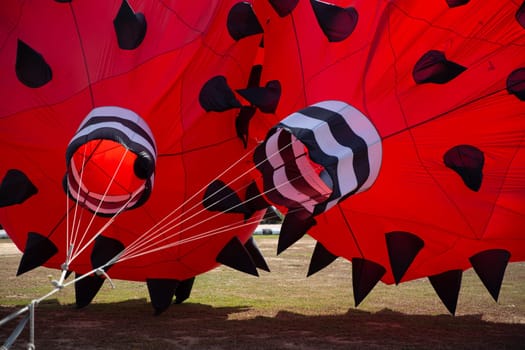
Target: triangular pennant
x=104, y=250
x=433, y=67
x=38, y=250
x=256, y=254
x=265, y=98
x=321, y=258
x=86, y=289
x=161, y=292
x=130, y=27
x=467, y=161
x=365, y=275
x=221, y=198
x=293, y=228
x=403, y=248
x=490, y=266
x=447, y=286
x=183, y=291
x=15, y=188
x=237, y=257
x=242, y=21
x=337, y=23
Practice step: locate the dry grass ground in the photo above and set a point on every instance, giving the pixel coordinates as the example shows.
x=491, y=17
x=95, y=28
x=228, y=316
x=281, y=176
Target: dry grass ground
x=279, y=310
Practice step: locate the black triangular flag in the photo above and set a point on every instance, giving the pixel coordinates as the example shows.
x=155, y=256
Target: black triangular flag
x=38, y=250
x=15, y=188
x=467, y=161
x=183, y=291
x=402, y=250
x=235, y=255
x=447, y=286
x=86, y=289
x=161, y=292
x=256, y=254
x=365, y=275
x=130, y=27
x=490, y=266
x=321, y=258
x=104, y=250
x=293, y=228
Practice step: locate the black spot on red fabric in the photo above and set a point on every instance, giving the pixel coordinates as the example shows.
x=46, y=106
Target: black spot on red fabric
x=516, y=83
x=130, y=27
x=403, y=248
x=217, y=96
x=235, y=255
x=365, y=275
x=219, y=197
x=447, y=286
x=255, y=76
x=283, y=7
x=242, y=123
x=520, y=15
x=467, y=161
x=456, y=3
x=254, y=200
x=31, y=68
x=37, y=251
x=434, y=67
x=321, y=258
x=242, y=21
x=161, y=292
x=15, y=188
x=105, y=249
x=265, y=98
x=490, y=267
x=64, y=1
x=337, y=23
x=184, y=290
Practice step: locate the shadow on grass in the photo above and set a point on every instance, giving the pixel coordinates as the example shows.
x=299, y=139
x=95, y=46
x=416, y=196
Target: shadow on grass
x=131, y=325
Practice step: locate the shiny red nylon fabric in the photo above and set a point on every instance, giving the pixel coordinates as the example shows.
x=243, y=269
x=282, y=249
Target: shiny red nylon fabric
x=185, y=45
x=372, y=70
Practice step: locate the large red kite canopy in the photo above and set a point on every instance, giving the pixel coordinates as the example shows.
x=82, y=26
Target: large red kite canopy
x=144, y=139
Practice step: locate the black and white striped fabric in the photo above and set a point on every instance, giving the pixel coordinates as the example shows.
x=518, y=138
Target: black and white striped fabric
x=317, y=157
x=130, y=132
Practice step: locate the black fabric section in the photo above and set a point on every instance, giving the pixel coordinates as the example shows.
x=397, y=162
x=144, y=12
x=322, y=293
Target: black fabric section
x=293, y=173
x=37, y=251
x=365, y=275
x=130, y=27
x=433, y=67
x=86, y=289
x=105, y=249
x=337, y=23
x=403, y=248
x=134, y=127
x=294, y=227
x=321, y=258
x=235, y=255
x=265, y=98
x=283, y=7
x=31, y=68
x=16, y=188
x=254, y=200
x=256, y=254
x=183, y=291
x=467, y=161
x=221, y=198
x=161, y=292
x=217, y=96
x=456, y=3
x=447, y=286
x=255, y=76
x=520, y=15
x=490, y=267
x=516, y=80
x=242, y=123
x=242, y=21
x=63, y=1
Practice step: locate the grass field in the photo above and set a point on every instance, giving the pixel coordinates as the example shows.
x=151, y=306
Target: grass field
x=279, y=310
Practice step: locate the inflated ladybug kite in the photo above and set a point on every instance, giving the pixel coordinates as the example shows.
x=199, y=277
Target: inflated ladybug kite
x=143, y=140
